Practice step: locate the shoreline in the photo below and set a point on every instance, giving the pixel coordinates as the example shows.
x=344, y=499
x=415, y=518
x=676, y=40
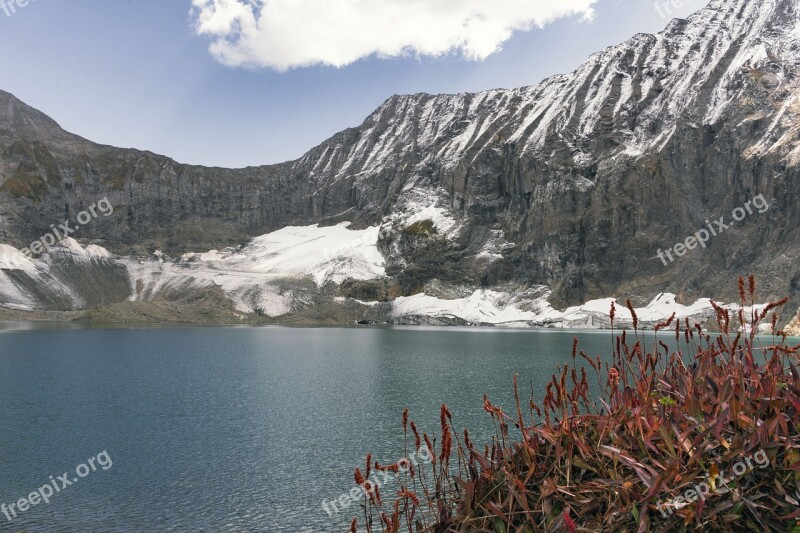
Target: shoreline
x=77, y=320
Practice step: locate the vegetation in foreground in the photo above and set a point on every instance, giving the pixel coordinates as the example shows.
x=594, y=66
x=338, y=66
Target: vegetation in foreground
x=658, y=449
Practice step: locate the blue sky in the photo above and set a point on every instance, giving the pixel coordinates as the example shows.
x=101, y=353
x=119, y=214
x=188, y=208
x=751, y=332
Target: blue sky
x=137, y=73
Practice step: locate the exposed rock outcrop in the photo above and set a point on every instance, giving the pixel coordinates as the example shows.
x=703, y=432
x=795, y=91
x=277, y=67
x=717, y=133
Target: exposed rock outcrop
x=793, y=328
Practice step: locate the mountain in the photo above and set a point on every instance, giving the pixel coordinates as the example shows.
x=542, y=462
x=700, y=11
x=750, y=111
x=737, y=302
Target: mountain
x=495, y=207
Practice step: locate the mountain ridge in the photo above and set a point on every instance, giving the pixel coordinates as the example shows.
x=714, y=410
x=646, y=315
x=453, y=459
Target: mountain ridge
x=571, y=184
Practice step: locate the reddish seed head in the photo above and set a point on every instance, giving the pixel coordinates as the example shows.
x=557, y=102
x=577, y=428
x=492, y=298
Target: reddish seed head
x=536, y=408
x=666, y=323
x=369, y=463
x=489, y=408
x=633, y=314
x=417, y=440
x=354, y=526
x=430, y=447
x=446, y=413
x=774, y=305
x=613, y=377
x=447, y=441
x=405, y=493
x=405, y=419
x=588, y=359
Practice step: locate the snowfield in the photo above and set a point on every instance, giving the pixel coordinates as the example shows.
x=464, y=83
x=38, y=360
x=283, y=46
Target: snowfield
x=325, y=254
x=254, y=276
x=486, y=307
x=282, y=271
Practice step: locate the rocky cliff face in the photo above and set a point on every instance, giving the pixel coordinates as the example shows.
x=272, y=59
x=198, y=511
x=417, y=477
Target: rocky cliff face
x=793, y=328
x=572, y=186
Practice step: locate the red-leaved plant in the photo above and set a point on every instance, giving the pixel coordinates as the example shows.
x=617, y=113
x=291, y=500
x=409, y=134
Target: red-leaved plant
x=660, y=422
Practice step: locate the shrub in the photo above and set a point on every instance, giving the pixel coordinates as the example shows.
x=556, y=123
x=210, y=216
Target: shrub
x=423, y=228
x=662, y=422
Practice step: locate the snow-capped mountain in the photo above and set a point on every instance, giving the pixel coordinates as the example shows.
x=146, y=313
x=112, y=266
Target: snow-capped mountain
x=496, y=207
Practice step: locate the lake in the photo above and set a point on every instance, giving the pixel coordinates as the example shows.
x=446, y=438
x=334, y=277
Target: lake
x=237, y=429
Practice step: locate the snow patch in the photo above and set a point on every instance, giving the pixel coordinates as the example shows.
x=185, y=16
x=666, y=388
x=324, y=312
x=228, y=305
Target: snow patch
x=13, y=259
x=15, y=290
x=80, y=253
x=254, y=276
x=423, y=203
x=333, y=253
x=501, y=308
x=494, y=247
x=481, y=307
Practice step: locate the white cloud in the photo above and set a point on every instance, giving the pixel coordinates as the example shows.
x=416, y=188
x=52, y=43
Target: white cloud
x=284, y=34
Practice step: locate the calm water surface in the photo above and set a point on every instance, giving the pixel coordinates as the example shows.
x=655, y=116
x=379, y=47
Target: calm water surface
x=237, y=429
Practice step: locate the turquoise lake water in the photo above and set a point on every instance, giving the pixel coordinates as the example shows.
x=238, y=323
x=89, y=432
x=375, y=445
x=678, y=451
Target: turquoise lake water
x=238, y=429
